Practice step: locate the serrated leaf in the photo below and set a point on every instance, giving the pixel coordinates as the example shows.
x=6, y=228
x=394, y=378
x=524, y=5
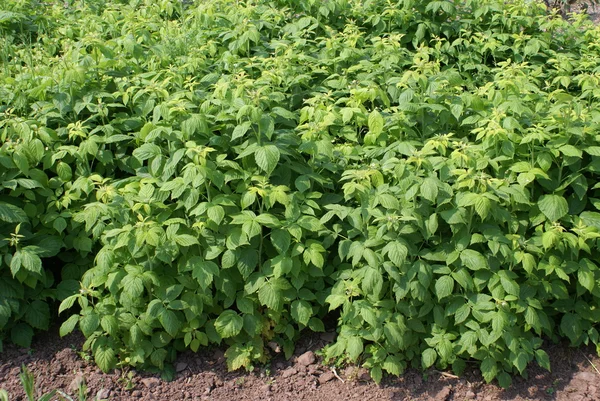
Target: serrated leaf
x=429, y=189
x=354, y=347
x=281, y=240
x=68, y=325
x=89, y=323
x=428, y=358
x=12, y=214
x=229, y=324
x=270, y=296
x=586, y=277
x=489, y=369
x=376, y=374
x=21, y=334
x=570, y=150
x=393, y=365
x=38, y=315
x=240, y=130
x=553, y=206
x=473, y=259
x=170, y=322
x=267, y=157
x=186, y=240
x=301, y=311
x=110, y=324
x=396, y=252
x=216, y=213
x=504, y=380
x=237, y=357
x=375, y=122
x=444, y=286
x=105, y=358
x=542, y=359
x=146, y=151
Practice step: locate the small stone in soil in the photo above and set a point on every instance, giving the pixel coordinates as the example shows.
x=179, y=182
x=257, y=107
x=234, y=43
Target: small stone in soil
x=180, y=366
x=76, y=382
x=586, y=376
x=219, y=356
x=325, y=377
x=363, y=375
x=313, y=370
x=308, y=358
x=443, y=395
x=150, y=382
x=266, y=388
x=470, y=395
x=289, y=372
x=102, y=394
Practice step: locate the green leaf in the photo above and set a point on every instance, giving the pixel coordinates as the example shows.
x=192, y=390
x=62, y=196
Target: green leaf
x=146, y=151
x=67, y=303
x=429, y=189
x=553, y=206
x=376, y=374
x=504, y=380
x=281, y=240
x=105, y=357
x=12, y=214
x=586, y=277
x=570, y=325
x=21, y=334
x=240, y=130
x=444, y=286
x=38, y=315
x=428, y=358
x=302, y=183
x=489, y=369
x=216, y=213
x=30, y=261
x=375, y=122
x=267, y=157
x=393, y=365
x=68, y=325
x=520, y=361
x=354, y=347
x=570, y=150
x=89, y=323
x=315, y=324
x=542, y=359
x=301, y=311
x=270, y=296
x=237, y=357
x=59, y=224
x=396, y=252
x=473, y=259
x=186, y=240
x=170, y=322
x=229, y=324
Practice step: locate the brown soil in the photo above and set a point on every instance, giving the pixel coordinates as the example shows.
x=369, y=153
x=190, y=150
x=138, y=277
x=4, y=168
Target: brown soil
x=56, y=364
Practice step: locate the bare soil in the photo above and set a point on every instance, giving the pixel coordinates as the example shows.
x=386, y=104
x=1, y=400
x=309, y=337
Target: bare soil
x=57, y=364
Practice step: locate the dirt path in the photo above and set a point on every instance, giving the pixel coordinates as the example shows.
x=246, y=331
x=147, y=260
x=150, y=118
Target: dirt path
x=57, y=365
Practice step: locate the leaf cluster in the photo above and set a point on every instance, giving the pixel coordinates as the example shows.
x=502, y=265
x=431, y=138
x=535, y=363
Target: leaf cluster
x=423, y=171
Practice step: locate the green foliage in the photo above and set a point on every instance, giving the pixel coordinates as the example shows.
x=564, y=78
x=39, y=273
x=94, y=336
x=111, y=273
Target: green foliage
x=238, y=170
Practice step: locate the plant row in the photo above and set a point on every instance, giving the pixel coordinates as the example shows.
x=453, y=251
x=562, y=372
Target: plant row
x=176, y=175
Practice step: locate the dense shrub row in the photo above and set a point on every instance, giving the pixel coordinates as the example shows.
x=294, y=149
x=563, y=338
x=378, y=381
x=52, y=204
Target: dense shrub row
x=217, y=172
